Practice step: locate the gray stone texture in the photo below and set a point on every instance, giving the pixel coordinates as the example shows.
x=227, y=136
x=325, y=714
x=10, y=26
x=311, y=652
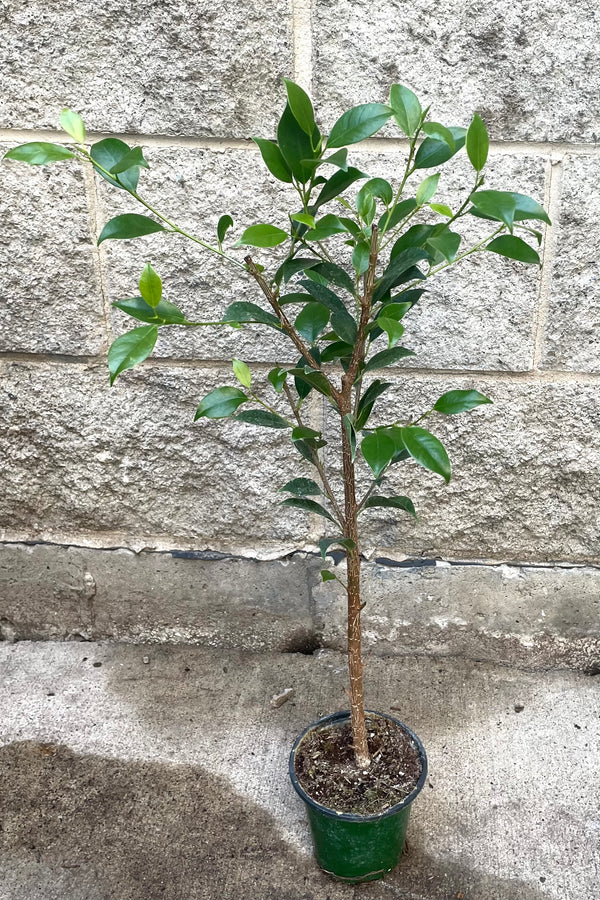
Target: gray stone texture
x=523, y=615
x=167, y=68
x=49, y=591
x=525, y=482
x=128, y=466
x=51, y=292
x=572, y=332
x=529, y=68
x=168, y=778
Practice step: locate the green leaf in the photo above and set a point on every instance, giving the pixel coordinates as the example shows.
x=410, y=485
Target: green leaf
x=304, y=449
x=337, y=350
x=358, y=123
x=349, y=425
x=150, y=286
x=224, y=223
x=38, y=153
x=526, y=208
x=107, y=153
x=404, y=503
x=242, y=373
x=396, y=311
x=300, y=105
x=325, y=296
x=377, y=449
x=308, y=506
x=339, y=159
x=427, y=450
x=400, y=211
x=220, y=403
x=291, y=266
x=454, y=402
x=442, y=209
x=128, y=226
x=445, y=242
x=262, y=235
x=243, y=311
x=72, y=123
x=406, y=107
x=326, y=575
x=400, y=453
x=344, y=326
x=304, y=218
x=375, y=187
x=478, y=143
x=312, y=320
x=314, y=379
x=499, y=205
x=273, y=159
x=164, y=313
x=262, y=418
x=277, y=377
x=347, y=543
x=439, y=132
x=387, y=358
x=365, y=406
x=334, y=274
x=513, y=248
x=295, y=297
x=337, y=184
x=326, y=227
x=400, y=264
x=302, y=433
x=130, y=349
x=295, y=145
x=433, y=152
x=302, y=487
x=134, y=158
x=360, y=257
x=427, y=189
x=392, y=328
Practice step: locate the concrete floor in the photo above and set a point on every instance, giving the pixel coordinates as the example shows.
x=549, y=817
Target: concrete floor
x=147, y=772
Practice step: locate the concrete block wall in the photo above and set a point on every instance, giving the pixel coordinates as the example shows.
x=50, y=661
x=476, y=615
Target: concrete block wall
x=85, y=466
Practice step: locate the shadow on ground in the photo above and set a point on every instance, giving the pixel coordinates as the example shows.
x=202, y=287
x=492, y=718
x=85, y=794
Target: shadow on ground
x=84, y=827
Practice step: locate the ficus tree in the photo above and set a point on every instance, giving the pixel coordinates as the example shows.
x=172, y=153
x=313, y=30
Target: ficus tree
x=357, y=253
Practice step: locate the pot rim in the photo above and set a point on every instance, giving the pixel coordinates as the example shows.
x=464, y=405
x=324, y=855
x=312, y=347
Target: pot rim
x=341, y=716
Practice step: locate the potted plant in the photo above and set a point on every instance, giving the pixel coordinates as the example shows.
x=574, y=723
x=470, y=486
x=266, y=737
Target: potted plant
x=356, y=254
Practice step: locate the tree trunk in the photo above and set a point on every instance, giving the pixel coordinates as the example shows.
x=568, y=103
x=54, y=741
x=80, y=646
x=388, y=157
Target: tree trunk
x=355, y=663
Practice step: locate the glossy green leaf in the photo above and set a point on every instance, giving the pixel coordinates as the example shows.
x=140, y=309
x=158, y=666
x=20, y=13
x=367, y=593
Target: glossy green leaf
x=262, y=235
x=243, y=311
x=445, y=242
x=442, y=209
x=224, y=223
x=131, y=348
x=398, y=502
x=415, y=236
x=344, y=326
x=134, y=158
x=377, y=449
x=305, y=451
x=295, y=297
x=387, y=358
x=301, y=432
x=513, y=248
x=326, y=575
x=150, y=286
x=477, y=143
x=396, y=311
x=454, y=402
x=427, y=189
x=367, y=401
x=312, y=320
x=220, y=403
x=300, y=105
x=526, y=208
x=314, y=379
x=333, y=274
x=337, y=184
x=277, y=377
x=360, y=257
x=38, y=153
x=310, y=506
x=338, y=159
x=324, y=295
x=439, y=132
x=292, y=266
x=427, y=450
x=304, y=219
x=376, y=187
x=295, y=145
x=433, y=152
x=242, y=373
x=358, y=123
x=406, y=107
x=326, y=227
x=337, y=350
x=392, y=328
x=400, y=453
x=273, y=159
x=302, y=487
x=164, y=313
x=326, y=542
x=107, y=153
x=400, y=264
x=261, y=417
x=499, y=205
x=399, y=212
x=129, y=226
x=72, y=123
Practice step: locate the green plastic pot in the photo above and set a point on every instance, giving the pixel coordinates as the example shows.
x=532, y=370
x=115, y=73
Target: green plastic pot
x=355, y=848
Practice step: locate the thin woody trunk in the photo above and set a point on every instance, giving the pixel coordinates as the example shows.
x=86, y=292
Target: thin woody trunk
x=355, y=663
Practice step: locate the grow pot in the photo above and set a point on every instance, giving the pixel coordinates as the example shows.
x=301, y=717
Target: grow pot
x=350, y=846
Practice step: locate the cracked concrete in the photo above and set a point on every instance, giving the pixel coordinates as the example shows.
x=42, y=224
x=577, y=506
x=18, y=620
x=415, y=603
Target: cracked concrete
x=167, y=778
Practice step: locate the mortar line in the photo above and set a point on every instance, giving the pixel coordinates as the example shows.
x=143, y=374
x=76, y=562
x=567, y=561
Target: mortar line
x=552, y=204
x=207, y=142
x=97, y=255
x=542, y=376
x=302, y=43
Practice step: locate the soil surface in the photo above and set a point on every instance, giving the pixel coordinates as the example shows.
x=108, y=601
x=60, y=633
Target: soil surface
x=326, y=768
